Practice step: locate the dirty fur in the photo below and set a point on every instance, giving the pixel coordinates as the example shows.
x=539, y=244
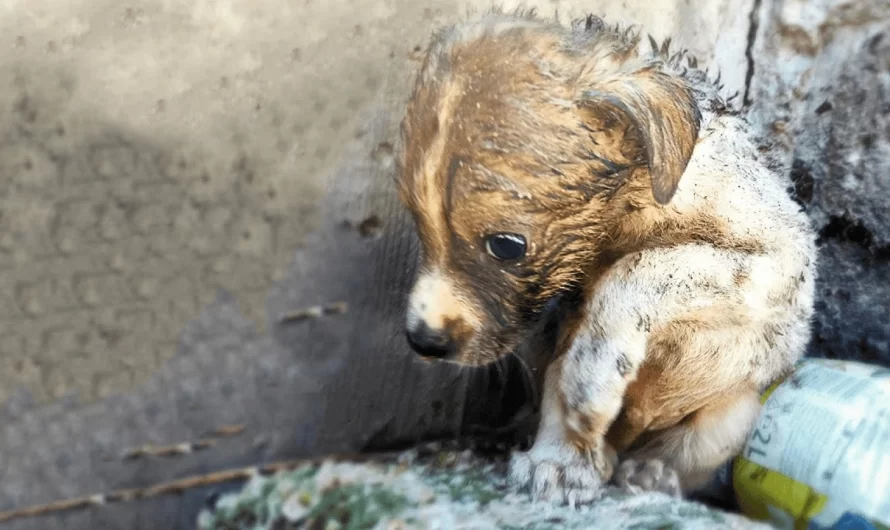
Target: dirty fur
x=641, y=196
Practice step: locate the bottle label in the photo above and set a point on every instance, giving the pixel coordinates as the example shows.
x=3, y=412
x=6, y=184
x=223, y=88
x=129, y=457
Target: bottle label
x=821, y=447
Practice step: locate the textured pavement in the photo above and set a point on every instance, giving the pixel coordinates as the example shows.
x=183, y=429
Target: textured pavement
x=172, y=174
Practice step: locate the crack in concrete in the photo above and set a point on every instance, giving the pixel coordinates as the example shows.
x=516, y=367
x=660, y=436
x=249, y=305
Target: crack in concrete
x=754, y=24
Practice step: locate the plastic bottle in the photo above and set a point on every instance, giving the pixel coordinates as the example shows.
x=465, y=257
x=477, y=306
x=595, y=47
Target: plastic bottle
x=819, y=454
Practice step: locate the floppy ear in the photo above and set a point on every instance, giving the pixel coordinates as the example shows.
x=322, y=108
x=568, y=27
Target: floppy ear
x=665, y=117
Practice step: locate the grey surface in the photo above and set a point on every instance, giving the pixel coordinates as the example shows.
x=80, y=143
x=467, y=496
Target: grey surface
x=822, y=92
x=850, y=169
x=334, y=384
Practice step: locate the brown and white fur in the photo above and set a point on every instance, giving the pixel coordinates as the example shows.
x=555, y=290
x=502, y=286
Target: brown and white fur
x=637, y=189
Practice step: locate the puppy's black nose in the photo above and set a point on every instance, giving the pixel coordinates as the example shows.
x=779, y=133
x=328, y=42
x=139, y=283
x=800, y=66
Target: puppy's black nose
x=428, y=342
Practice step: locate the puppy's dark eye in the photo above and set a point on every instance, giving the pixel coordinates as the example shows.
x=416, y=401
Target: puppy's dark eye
x=505, y=247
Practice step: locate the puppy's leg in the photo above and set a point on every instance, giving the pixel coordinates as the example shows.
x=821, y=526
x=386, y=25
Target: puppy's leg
x=685, y=457
x=642, y=294
x=593, y=381
x=553, y=469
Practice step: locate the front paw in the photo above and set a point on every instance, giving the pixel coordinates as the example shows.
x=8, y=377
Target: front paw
x=637, y=476
x=556, y=474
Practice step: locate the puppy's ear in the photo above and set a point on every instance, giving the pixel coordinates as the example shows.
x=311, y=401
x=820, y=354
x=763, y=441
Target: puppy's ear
x=663, y=116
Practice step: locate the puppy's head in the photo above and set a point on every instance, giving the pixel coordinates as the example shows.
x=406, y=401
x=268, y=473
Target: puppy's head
x=524, y=147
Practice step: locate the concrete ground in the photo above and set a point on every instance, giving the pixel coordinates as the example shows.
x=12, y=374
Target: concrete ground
x=154, y=152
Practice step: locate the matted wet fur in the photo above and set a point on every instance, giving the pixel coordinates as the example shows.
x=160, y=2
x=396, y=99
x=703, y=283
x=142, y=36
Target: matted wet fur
x=542, y=163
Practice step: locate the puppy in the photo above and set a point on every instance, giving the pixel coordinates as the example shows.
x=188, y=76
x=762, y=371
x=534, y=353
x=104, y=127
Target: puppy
x=542, y=163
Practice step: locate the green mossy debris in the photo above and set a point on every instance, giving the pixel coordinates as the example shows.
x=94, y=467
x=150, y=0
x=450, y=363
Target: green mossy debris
x=444, y=490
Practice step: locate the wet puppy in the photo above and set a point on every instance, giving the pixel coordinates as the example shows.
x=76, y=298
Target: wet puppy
x=540, y=160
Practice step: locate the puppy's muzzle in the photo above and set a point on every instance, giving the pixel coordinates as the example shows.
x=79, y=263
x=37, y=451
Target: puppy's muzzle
x=428, y=342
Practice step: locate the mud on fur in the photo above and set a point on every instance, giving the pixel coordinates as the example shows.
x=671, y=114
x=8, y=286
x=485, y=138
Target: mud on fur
x=545, y=163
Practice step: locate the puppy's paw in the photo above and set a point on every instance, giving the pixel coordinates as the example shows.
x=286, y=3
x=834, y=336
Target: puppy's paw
x=558, y=475
x=637, y=476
